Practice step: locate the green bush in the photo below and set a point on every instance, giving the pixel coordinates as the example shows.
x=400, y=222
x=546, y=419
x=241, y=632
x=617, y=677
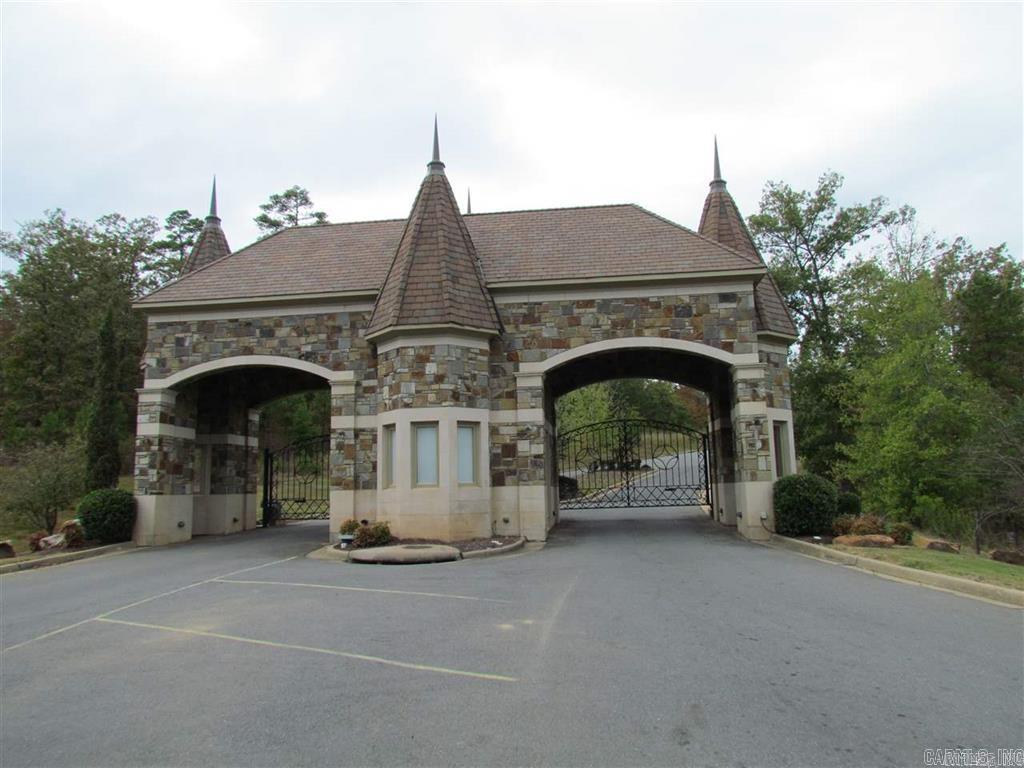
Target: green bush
x=376, y=535
x=804, y=504
x=349, y=526
x=867, y=525
x=849, y=504
x=843, y=525
x=41, y=486
x=902, y=533
x=107, y=515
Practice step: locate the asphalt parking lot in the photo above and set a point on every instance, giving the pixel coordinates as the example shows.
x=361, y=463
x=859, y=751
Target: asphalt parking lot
x=659, y=640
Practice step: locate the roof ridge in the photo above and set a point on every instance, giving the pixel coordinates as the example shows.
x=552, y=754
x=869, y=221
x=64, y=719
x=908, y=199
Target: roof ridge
x=705, y=238
x=547, y=210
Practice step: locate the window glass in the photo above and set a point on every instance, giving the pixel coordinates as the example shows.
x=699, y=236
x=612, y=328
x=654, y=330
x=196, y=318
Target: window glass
x=467, y=453
x=388, y=456
x=425, y=463
x=781, y=449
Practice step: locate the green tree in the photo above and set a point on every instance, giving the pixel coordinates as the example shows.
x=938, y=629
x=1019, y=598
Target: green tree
x=45, y=483
x=69, y=273
x=290, y=208
x=180, y=231
x=102, y=453
x=808, y=237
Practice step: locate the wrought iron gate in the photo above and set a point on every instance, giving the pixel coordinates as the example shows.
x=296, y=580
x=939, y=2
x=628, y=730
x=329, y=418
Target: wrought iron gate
x=632, y=463
x=297, y=481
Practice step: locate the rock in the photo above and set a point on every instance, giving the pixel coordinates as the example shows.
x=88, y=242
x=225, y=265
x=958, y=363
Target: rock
x=1011, y=556
x=944, y=546
x=52, y=542
x=7, y=550
x=867, y=540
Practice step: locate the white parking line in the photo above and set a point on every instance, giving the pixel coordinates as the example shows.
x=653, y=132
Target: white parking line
x=312, y=649
x=140, y=602
x=362, y=589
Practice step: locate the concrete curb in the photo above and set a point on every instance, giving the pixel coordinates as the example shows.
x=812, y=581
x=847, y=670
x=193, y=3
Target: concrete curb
x=965, y=587
x=495, y=551
x=66, y=557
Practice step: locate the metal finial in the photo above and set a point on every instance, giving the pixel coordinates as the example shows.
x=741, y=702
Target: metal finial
x=717, y=182
x=435, y=165
x=469, y=201
x=213, y=200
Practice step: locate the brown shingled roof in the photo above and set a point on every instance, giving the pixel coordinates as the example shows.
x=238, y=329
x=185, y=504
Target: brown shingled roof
x=434, y=277
x=518, y=246
x=210, y=246
x=721, y=221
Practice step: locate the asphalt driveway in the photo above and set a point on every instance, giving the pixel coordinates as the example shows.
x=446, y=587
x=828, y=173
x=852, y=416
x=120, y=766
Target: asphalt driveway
x=661, y=640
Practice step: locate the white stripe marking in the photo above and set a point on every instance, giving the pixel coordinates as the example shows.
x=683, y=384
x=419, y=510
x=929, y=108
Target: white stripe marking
x=312, y=649
x=361, y=589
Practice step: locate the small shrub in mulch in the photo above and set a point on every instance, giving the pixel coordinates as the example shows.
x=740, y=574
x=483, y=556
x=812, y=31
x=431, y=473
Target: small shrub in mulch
x=843, y=525
x=804, y=504
x=374, y=535
x=901, y=533
x=868, y=525
x=107, y=515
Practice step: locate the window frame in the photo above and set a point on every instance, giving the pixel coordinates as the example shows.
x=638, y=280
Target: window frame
x=474, y=431
x=415, y=468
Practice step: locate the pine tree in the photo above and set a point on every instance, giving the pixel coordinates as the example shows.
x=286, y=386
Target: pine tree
x=103, y=460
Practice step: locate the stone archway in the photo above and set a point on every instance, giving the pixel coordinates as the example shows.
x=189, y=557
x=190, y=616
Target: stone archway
x=197, y=443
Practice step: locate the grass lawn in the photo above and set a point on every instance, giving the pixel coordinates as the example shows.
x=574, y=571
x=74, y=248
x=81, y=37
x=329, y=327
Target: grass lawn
x=966, y=565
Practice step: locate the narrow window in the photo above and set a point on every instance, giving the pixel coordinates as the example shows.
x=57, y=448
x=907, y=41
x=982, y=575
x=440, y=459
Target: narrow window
x=425, y=454
x=781, y=449
x=388, y=456
x=467, y=453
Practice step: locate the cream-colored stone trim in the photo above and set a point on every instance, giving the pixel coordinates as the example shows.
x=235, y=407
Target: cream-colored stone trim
x=160, y=396
x=528, y=379
x=637, y=342
x=521, y=416
x=626, y=279
x=434, y=339
x=298, y=299
x=560, y=292
x=353, y=422
x=778, y=349
x=414, y=331
x=748, y=408
x=342, y=388
x=748, y=371
x=785, y=338
x=228, y=439
x=153, y=429
x=247, y=361
x=247, y=313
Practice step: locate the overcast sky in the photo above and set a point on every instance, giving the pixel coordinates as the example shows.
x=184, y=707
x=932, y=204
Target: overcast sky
x=133, y=107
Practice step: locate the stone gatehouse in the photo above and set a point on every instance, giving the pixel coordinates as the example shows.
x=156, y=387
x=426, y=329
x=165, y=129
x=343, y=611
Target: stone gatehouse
x=445, y=339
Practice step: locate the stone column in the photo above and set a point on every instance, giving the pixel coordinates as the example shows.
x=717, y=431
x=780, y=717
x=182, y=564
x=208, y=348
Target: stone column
x=343, y=451
x=164, y=466
x=527, y=462
x=751, y=440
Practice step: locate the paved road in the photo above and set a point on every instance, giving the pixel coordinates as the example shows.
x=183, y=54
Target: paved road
x=661, y=640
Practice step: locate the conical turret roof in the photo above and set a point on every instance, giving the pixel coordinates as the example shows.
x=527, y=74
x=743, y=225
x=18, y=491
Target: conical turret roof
x=721, y=221
x=211, y=243
x=435, y=276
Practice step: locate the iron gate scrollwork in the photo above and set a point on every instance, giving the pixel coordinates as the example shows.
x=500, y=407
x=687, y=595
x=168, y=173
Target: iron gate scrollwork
x=297, y=481
x=633, y=463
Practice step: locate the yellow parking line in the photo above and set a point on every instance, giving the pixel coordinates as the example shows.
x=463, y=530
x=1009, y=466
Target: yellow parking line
x=361, y=589
x=312, y=649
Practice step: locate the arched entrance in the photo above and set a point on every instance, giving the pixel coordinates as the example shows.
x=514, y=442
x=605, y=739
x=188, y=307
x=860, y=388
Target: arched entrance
x=198, y=447
x=739, y=426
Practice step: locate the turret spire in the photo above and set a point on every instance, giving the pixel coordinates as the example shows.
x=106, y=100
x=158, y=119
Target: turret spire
x=717, y=182
x=435, y=165
x=469, y=201
x=213, y=200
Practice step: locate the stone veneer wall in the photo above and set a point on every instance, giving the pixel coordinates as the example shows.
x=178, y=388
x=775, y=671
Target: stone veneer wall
x=779, y=394
x=424, y=376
